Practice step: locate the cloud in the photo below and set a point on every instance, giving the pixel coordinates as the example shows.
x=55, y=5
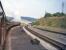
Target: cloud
x=33, y=8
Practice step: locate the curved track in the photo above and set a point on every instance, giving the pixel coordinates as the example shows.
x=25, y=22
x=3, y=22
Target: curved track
x=56, y=44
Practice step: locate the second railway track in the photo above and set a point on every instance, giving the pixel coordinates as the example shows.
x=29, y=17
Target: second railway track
x=56, y=44
x=53, y=31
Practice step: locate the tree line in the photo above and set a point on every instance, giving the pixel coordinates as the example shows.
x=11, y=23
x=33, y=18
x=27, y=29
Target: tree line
x=58, y=14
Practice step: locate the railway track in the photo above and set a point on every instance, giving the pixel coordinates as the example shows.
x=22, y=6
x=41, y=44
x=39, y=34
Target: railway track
x=56, y=44
x=53, y=31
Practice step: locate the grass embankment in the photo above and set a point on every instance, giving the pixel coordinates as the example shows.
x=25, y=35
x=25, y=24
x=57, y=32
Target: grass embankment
x=59, y=22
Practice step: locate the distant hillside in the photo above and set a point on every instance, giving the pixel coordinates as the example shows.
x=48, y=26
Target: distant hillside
x=28, y=19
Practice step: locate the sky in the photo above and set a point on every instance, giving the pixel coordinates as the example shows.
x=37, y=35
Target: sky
x=31, y=8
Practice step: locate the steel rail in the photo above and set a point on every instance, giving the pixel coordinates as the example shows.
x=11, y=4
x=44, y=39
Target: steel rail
x=53, y=31
x=56, y=44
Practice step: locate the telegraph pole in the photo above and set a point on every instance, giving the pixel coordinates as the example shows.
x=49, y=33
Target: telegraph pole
x=62, y=7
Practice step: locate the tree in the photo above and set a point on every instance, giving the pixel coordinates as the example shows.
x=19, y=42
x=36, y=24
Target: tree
x=48, y=15
x=58, y=14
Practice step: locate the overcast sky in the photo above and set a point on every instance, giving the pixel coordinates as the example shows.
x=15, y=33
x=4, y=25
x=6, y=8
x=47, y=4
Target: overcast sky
x=31, y=8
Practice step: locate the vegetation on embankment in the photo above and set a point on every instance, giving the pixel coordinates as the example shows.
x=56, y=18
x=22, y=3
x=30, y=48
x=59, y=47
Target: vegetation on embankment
x=53, y=20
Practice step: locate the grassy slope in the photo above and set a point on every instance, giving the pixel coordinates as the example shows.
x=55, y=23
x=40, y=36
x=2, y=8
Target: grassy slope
x=52, y=21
